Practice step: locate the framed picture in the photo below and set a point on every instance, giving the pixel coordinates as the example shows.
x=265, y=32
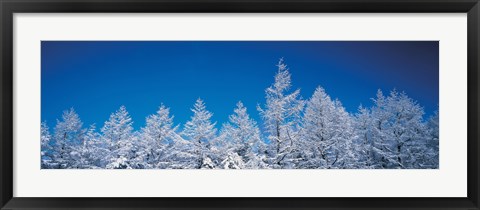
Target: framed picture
x=239, y=105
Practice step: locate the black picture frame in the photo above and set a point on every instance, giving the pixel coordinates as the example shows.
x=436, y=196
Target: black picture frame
x=9, y=7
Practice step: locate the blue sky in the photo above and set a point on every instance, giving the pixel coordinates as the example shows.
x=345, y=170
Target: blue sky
x=97, y=77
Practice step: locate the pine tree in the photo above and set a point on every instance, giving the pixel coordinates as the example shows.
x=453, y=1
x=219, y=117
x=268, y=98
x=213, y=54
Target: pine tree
x=87, y=152
x=432, y=142
x=93, y=150
x=363, y=138
x=201, y=131
x=244, y=147
x=46, y=146
x=157, y=135
x=281, y=117
x=397, y=131
x=346, y=147
x=327, y=133
x=181, y=153
x=117, y=133
x=68, y=137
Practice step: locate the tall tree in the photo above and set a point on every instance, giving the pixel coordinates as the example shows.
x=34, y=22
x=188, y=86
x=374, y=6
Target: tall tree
x=46, y=146
x=346, y=147
x=117, y=133
x=327, y=133
x=91, y=151
x=181, y=153
x=244, y=145
x=363, y=138
x=432, y=142
x=281, y=116
x=201, y=131
x=157, y=135
x=68, y=137
x=397, y=131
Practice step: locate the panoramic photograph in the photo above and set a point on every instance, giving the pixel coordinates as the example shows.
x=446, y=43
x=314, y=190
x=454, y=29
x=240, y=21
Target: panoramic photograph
x=239, y=105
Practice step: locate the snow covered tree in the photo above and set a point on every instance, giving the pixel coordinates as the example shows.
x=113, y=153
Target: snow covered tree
x=46, y=146
x=201, y=131
x=244, y=147
x=157, y=136
x=363, y=138
x=318, y=136
x=182, y=153
x=432, y=142
x=397, y=131
x=327, y=133
x=68, y=137
x=117, y=133
x=433, y=125
x=347, y=148
x=91, y=151
x=45, y=137
x=281, y=116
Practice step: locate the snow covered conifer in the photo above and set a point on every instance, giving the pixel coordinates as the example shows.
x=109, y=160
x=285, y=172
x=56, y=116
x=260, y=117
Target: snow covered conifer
x=119, y=126
x=363, y=138
x=157, y=135
x=346, y=147
x=45, y=136
x=327, y=133
x=242, y=137
x=432, y=142
x=181, y=153
x=117, y=133
x=46, y=146
x=281, y=116
x=92, y=150
x=68, y=136
x=397, y=131
x=201, y=131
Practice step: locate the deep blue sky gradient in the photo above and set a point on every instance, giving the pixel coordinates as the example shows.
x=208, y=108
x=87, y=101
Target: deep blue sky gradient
x=97, y=77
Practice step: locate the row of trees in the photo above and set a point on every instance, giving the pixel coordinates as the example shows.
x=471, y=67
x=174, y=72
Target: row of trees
x=316, y=133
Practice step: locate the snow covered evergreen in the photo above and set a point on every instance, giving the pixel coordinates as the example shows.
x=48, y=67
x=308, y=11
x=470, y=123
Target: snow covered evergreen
x=281, y=117
x=327, y=134
x=68, y=136
x=157, y=136
x=202, y=132
x=121, y=143
x=317, y=133
x=242, y=141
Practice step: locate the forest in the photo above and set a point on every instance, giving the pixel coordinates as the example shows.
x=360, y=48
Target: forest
x=295, y=133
